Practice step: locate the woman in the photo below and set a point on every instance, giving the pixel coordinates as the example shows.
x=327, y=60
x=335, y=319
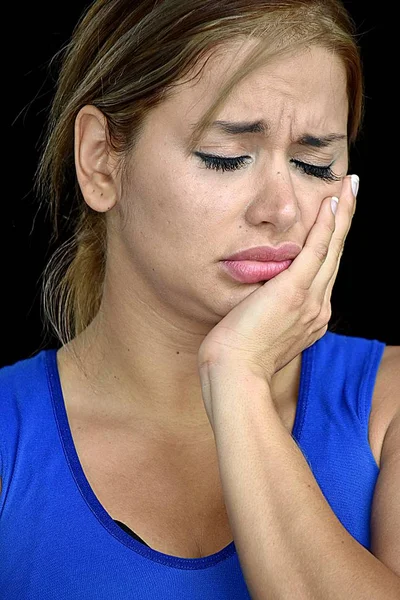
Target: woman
x=198, y=396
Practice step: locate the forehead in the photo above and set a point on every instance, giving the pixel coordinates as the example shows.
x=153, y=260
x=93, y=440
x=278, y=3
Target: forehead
x=307, y=88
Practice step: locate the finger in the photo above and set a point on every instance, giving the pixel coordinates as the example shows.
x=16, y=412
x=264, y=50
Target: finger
x=308, y=263
x=329, y=289
x=344, y=215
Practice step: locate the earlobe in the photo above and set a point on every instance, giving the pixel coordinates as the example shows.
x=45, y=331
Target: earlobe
x=96, y=176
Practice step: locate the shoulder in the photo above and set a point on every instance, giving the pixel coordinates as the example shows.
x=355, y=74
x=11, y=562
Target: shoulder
x=385, y=517
x=386, y=397
x=388, y=379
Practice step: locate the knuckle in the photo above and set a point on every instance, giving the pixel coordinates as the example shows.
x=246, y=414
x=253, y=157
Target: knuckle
x=325, y=315
x=317, y=315
x=313, y=311
x=338, y=242
x=321, y=251
x=339, y=245
x=331, y=229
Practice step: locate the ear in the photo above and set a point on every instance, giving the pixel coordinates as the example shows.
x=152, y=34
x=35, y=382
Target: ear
x=95, y=169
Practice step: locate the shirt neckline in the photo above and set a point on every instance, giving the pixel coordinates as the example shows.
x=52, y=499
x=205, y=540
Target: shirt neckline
x=90, y=497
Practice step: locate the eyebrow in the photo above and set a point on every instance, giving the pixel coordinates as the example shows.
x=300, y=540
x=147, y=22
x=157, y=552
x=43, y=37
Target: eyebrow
x=241, y=128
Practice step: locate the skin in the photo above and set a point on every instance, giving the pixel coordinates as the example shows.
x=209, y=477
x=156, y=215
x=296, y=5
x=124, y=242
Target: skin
x=164, y=288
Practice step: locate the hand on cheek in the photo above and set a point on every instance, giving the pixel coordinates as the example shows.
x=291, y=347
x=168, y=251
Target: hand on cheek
x=290, y=312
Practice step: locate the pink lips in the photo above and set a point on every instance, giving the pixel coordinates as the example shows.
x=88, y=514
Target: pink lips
x=287, y=251
x=261, y=263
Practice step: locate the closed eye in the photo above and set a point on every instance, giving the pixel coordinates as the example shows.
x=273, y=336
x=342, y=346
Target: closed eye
x=324, y=173
x=224, y=163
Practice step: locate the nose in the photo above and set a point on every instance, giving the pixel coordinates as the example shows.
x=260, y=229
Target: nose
x=277, y=201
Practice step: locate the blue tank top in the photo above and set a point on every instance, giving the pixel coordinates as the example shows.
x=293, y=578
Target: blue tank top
x=57, y=540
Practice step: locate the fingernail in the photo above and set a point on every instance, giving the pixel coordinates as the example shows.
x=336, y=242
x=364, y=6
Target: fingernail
x=334, y=204
x=355, y=183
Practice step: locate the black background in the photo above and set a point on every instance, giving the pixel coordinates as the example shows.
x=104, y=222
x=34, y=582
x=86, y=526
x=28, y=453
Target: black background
x=365, y=293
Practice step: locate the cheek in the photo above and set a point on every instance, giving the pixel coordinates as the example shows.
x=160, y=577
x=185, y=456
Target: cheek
x=309, y=214
x=310, y=199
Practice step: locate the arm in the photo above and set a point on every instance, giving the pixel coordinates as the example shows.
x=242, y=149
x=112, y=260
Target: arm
x=385, y=514
x=289, y=541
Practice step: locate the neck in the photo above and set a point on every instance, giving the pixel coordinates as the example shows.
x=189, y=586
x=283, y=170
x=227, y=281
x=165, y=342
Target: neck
x=148, y=379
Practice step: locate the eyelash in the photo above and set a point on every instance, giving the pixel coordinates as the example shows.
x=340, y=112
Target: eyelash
x=232, y=164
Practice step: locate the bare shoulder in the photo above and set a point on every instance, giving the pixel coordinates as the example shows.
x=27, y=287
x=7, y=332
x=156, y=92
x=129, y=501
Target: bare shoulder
x=386, y=398
x=388, y=380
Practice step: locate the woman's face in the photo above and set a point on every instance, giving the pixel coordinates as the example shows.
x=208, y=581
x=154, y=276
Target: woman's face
x=185, y=218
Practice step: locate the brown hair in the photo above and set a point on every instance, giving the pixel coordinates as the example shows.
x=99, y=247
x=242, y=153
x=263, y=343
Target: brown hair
x=125, y=58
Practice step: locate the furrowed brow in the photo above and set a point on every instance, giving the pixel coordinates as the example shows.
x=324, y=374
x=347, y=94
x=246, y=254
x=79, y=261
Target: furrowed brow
x=231, y=128
x=241, y=128
x=321, y=141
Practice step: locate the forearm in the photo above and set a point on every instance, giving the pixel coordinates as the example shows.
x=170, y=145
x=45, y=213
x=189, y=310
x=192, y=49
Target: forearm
x=289, y=541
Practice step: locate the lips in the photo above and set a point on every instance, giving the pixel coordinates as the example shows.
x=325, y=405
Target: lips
x=287, y=251
x=247, y=271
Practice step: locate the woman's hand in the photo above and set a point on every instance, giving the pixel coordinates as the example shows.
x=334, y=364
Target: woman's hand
x=290, y=312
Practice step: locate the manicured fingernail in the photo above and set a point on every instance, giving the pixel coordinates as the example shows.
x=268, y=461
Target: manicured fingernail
x=355, y=184
x=334, y=204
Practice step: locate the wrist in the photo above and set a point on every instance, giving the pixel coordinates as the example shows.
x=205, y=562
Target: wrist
x=237, y=366
x=235, y=381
